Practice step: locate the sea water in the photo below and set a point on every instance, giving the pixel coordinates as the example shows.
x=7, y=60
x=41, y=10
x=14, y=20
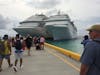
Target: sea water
x=72, y=45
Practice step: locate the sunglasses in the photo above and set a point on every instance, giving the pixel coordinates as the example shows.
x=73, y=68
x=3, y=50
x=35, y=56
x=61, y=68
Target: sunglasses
x=90, y=31
x=94, y=31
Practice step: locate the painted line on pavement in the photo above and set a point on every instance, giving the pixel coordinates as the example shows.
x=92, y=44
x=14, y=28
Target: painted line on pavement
x=64, y=60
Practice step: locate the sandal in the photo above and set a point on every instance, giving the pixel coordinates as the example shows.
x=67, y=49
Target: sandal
x=10, y=65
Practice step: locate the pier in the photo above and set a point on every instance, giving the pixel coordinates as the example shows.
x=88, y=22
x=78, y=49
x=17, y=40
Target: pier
x=44, y=62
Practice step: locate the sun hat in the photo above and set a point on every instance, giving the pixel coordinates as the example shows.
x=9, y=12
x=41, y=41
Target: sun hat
x=94, y=27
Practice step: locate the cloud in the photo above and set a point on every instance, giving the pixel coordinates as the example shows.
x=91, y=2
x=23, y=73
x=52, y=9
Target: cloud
x=85, y=9
x=8, y=23
x=15, y=8
x=82, y=25
x=3, y=22
x=43, y=4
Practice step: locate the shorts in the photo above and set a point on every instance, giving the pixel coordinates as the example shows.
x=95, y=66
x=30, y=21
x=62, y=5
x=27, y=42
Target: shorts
x=19, y=55
x=41, y=43
x=5, y=56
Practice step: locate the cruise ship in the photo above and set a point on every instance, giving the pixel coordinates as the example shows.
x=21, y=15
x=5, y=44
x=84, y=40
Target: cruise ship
x=60, y=27
x=57, y=27
x=33, y=25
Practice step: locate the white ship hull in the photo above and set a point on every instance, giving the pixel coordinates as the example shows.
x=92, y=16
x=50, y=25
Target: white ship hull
x=61, y=33
x=32, y=31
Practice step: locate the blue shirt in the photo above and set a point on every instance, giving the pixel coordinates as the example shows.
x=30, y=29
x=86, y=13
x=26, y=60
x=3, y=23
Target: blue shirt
x=91, y=57
x=84, y=42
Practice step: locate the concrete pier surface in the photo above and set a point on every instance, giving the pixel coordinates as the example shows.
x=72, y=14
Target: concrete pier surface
x=43, y=62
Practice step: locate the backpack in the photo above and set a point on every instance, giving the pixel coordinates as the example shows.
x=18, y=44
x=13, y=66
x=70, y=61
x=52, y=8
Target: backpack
x=2, y=47
x=18, y=45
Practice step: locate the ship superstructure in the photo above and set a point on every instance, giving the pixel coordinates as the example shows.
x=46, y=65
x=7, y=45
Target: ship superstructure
x=33, y=26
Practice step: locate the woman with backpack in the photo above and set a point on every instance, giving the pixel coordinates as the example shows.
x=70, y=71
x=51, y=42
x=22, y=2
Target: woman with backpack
x=18, y=52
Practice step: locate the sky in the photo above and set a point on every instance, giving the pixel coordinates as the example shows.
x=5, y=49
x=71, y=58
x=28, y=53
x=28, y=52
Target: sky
x=83, y=13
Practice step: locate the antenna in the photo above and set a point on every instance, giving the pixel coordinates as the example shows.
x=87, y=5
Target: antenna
x=59, y=12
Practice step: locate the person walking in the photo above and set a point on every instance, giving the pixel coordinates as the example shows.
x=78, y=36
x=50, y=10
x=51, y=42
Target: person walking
x=38, y=43
x=42, y=40
x=90, y=59
x=18, y=52
x=34, y=40
x=85, y=40
x=6, y=52
x=28, y=43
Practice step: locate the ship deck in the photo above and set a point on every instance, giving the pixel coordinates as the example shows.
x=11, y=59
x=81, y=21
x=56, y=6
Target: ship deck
x=44, y=62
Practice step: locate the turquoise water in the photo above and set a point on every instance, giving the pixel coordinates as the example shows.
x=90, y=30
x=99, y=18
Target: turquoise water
x=72, y=45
